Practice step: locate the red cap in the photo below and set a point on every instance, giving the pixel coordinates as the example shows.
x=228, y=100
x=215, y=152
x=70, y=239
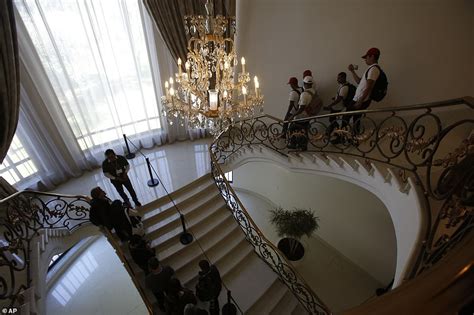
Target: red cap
x=293, y=80
x=372, y=52
x=307, y=73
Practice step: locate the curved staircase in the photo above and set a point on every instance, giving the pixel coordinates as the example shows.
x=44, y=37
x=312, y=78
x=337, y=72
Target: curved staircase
x=416, y=150
x=255, y=287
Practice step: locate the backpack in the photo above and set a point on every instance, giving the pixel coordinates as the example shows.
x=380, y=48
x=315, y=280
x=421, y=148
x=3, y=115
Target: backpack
x=315, y=105
x=350, y=94
x=380, y=87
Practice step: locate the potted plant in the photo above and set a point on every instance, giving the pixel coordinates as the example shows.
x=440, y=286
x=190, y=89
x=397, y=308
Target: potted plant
x=291, y=225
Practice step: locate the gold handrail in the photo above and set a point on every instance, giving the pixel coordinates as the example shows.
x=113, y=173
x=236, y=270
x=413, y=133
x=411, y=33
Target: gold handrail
x=27, y=191
x=126, y=264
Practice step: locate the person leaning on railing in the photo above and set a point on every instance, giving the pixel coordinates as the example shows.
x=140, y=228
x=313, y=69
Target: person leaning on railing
x=141, y=251
x=299, y=130
x=105, y=213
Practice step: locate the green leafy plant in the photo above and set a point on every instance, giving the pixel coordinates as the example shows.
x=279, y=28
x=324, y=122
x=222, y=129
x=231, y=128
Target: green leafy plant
x=294, y=223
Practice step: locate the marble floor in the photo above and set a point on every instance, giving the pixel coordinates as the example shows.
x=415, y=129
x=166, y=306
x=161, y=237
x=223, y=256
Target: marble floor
x=95, y=283
x=177, y=164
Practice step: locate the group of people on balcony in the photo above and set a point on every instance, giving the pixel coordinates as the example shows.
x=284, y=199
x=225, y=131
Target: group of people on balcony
x=305, y=102
x=120, y=217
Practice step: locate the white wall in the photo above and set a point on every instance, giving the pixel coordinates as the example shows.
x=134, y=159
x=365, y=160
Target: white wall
x=427, y=46
x=353, y=220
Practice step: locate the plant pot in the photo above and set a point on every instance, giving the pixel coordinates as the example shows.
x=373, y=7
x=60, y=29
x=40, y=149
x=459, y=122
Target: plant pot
x=292, y=248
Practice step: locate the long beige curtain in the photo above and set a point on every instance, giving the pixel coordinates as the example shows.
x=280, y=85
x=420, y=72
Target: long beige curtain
x=9, y=77
x=168, y=16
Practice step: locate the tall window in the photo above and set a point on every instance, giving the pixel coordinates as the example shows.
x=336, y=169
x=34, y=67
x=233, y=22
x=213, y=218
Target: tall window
x=95, y=55
x=17, y=165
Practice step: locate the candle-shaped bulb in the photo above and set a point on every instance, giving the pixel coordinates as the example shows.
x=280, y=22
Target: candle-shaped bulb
x=166, y=85
x=225, y=94
x=171, y=80
x=226, y=65
x=242, y=61
x=244, y=90
x=187, y=65
x=172, y=92
x=255, y=80
x=180, y=70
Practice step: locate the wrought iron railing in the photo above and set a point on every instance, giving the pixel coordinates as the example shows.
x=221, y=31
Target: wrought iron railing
x=264, y=248
x=426, y=142
x=22, y=217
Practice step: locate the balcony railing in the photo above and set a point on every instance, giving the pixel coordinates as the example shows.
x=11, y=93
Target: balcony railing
x=425, y=142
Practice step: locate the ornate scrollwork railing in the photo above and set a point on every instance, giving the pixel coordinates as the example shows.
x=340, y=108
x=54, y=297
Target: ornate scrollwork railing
x=22, y=216
x=425, y=142
x=264, y=248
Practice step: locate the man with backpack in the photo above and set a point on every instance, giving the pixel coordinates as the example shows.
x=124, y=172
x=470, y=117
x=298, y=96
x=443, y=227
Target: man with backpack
x=342, y=100
x=371, y=86
x=309, y=105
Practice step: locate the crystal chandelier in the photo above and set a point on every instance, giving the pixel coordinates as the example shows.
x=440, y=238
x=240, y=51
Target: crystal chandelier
x=208, y=92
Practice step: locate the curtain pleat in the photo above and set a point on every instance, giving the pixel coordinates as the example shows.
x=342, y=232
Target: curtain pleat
x=168, y=16
x=9, y=77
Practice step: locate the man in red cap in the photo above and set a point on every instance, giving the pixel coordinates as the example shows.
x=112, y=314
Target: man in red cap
x=294, y=97
x=365, y=83
x=307, y=73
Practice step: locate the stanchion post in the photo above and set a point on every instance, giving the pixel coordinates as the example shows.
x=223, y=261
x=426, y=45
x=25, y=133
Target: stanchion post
x=129, y=155
x=185, y=237
x=153, y=181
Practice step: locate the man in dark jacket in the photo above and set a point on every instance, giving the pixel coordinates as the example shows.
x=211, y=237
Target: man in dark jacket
x=116, y=168
x=177, y=297
x=141, y=252
x=209, y=286
x=104, y=212
x=158, y=279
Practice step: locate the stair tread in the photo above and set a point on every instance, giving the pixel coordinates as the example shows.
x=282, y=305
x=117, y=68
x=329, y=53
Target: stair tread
x=192, y=217
x=269, y=299
x=299, y=310
x=245, y=285
x=169, y=242
x=155, y=214
x=220, y=249
x=178, y=195
x=286, y=304
x=218, y=221
x=226, y=262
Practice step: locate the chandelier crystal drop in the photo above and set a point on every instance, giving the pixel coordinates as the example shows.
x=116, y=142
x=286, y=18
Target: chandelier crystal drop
x=209, y=91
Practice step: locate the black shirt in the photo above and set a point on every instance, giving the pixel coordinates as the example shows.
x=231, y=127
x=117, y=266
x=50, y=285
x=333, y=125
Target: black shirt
x=158, y=282
x=115, y=168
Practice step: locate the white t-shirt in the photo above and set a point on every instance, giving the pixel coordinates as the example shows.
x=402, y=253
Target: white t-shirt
x=294, y=97
x=342, y=91
x=305, y=99
x=373, y=74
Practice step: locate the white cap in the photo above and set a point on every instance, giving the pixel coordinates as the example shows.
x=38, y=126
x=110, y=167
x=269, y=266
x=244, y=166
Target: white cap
x=308, y=79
